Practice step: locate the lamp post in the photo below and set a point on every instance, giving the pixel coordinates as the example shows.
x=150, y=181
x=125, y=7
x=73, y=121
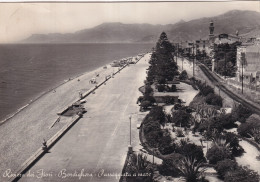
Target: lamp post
x=130, y=149
x=130, y=117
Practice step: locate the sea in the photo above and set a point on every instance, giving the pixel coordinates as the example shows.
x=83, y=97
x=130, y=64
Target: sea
x=29, y=70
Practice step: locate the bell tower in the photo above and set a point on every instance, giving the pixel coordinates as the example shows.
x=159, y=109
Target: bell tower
x=211, y=30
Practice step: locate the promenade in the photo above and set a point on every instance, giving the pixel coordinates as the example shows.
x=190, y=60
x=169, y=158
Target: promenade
x=97, y=144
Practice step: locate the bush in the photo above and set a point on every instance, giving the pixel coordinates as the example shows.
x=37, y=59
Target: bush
x=149, y=98
x=227, y=120
x=218, y=153
x=205, y=89
x=177, y=106
x=170, y=164
x=183, y=75
x=213, y=99
x=212, y=125
x=241, y=113
x=191, y=150
x=145, y=104
x=148, y=89
x=181, y=117
x=169, y=100
x=246, y=129
x=241, y=174
x=179, y=133
x=233, y=142
x=225, y=166
x=172, y=88
x=166, y=145
x=161, y=88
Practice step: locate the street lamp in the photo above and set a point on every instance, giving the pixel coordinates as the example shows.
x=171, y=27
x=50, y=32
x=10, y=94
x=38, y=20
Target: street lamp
x=130, y=149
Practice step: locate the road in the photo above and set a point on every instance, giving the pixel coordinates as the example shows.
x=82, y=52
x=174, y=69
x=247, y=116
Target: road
x=231, y=94
x=97, y=144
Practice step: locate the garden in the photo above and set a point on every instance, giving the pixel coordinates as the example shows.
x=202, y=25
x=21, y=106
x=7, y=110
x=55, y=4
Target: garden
x=198, y=142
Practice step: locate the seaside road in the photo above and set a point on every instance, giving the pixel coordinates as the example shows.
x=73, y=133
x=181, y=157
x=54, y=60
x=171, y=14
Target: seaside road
x=97, y=144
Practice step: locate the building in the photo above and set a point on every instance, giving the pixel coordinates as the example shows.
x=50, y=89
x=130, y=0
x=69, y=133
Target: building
x=223, y=38
x=250, y=67
x=202, y=45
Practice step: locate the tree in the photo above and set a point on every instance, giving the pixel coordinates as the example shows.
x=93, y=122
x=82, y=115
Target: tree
x=138, y=164
x=191, y=169
x=183, y=75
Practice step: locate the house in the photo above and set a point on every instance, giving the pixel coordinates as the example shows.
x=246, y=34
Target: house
x=251, y=64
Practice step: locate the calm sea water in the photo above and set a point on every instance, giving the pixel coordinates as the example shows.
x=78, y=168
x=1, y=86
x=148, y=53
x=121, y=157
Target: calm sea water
x=26, y=71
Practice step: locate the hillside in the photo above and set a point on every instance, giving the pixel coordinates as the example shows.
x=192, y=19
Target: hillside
x=246, y=22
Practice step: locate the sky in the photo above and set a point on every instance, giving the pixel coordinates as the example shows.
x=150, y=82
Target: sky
x=19, y=20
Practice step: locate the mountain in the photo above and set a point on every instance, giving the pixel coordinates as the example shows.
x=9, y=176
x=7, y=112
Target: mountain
x=246, y=22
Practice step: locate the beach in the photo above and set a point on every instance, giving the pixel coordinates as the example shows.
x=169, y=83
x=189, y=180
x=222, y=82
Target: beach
x=23, y=134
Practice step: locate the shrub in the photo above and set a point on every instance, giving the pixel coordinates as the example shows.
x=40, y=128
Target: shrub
x=179, y=133
x=218, y=153
x=213, y=99
x=138, y=163
x=169, y=100
x=181, y=117
x=166, y=145
x=205, y=89
x=148, y=89
x=149, y=98
x=171, y=88
x=211, y=125
x=191, y=169
x=177, y=106
x=225, y=166
x=233, y=142
x=191, y=150
x=161, y=88
x=242, y=174
x=246, y=129
x=241, y=113
x=227, y=120
x=170, y=164
x=183, y=75
x=145, y=104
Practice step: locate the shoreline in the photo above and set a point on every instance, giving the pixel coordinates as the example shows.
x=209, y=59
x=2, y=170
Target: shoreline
x=43, y=93
x=24, y=132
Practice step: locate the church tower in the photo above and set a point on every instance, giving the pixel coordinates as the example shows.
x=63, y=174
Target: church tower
x=211, y=31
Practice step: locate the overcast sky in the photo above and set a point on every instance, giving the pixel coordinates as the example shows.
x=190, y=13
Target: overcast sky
x=20, y=20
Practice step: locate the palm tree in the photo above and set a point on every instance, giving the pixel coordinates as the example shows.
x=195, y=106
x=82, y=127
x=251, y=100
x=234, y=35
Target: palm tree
x=138, y=164
x=191, y=169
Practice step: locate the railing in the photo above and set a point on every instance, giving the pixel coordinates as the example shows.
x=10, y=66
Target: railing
x=40, y=152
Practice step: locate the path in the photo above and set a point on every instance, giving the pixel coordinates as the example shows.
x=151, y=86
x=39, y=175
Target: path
x=99, y=141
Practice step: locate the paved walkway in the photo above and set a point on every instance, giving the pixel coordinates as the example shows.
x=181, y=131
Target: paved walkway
x=96, y=147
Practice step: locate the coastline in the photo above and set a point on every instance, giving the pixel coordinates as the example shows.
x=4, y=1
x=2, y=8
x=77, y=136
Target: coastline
x=35, y=118
x=41, y=94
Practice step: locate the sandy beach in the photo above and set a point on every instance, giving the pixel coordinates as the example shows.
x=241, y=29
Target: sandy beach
x=23, y=134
